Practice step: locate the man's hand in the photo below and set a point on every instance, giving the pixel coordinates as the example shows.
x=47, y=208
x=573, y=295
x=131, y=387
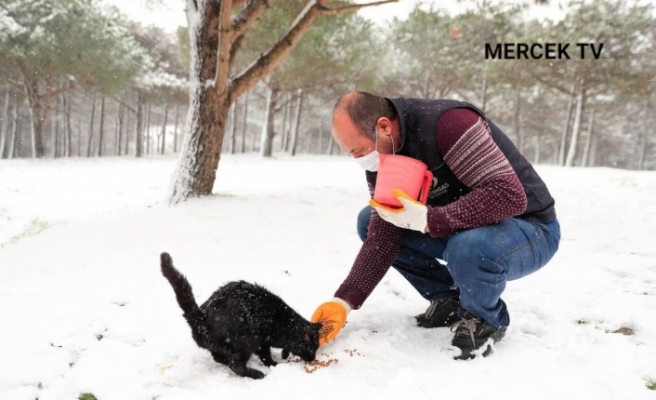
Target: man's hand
x=413, y=214
x=332, y=314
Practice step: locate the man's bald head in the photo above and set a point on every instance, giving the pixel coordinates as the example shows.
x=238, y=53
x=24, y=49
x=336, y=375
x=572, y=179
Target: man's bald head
x=364, y=109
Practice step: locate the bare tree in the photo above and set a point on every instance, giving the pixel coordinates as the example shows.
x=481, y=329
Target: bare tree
x=297, y=123
x=215, y=38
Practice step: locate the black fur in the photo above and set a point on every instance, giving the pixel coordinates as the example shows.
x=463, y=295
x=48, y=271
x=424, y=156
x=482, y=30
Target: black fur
x=240, y=319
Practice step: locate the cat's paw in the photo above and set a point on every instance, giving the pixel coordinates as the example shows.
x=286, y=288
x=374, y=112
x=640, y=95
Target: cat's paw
x=268, y=363
x=255, y=374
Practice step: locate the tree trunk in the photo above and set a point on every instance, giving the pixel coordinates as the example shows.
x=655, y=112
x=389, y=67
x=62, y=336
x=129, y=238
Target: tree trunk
x=565, y=131
x=69, y=129
x=593, y=151
x=320, y=136
x=516, y=116
x=571, y=153
x=484, y=90
x=233, y=129
x=331, y=145
x=101, y=135
x=536, y=141
x=79, y=138
x=54, y=128
x=93, y=112
x=126, y=146
x=139, y=142
x=10, y=133
x=39, y=108
x=244, y=126
x=643, y=138
x=147, y=124
x=120, y=114
x=36, y=134
x=299, y=105
x=290, y=122
x=202, y=146
x=4, y=124
x=283, y=130
x=11, y=145
x=175, y=129
x=268, y=129
x=588, y=139
x=166, y=120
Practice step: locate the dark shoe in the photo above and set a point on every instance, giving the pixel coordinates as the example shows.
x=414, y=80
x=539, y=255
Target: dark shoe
x=475, y=336
x=440, y=313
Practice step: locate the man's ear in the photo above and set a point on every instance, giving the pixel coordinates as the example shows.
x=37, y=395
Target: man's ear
x=384, y=126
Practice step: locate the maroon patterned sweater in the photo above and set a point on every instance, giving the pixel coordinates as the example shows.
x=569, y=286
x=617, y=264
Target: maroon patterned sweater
x=496, y=194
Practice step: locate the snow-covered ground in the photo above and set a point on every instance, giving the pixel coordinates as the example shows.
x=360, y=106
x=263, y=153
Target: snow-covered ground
x=84, y=307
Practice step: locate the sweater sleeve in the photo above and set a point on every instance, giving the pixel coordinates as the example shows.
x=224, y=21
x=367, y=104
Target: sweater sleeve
x=475, y=159
x=373, y=261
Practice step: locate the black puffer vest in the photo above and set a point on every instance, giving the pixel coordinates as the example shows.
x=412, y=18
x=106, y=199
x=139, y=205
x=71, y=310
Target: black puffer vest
x=418, y=124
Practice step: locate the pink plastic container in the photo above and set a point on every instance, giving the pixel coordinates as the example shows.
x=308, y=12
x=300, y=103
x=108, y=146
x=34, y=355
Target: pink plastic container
x=405, y=173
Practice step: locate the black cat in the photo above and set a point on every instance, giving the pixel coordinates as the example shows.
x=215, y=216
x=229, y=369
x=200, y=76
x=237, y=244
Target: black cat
x=240, y=319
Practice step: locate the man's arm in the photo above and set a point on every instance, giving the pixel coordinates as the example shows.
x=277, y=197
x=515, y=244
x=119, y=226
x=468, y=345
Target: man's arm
x=475, y=159
x=372, y=262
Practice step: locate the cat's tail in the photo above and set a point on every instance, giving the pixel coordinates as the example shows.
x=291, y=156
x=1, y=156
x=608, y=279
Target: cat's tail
x=192, y=313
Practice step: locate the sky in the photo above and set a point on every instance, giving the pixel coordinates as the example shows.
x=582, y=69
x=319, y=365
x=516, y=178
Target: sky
x=169, y=14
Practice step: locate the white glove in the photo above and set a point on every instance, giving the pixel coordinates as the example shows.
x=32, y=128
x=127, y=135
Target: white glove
x=413, y=214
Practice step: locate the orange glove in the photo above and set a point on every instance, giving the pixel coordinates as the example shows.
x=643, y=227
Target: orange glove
x=332, y=314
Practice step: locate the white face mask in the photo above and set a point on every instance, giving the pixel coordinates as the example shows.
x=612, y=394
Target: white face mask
x=369, y=162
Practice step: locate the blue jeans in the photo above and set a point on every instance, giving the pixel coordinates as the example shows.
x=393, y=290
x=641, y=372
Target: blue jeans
x=479, y=262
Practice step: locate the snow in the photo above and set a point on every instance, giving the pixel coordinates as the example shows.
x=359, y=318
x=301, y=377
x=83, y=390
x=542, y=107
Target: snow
x=85, y=308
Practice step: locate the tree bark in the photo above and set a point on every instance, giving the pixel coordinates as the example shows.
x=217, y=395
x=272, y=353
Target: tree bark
x=516, y=117
x=93, y=112
x=120, y=114
x=268, y=129
x=320, y=137
x=39, y=107
x=175, y=129
x=244, y=126
x=147, y=128
x=642, y=151
x=331, y=146
x=563, y=138
x=4, y=126
x=283, y=130
x=233, y=128
x=297, y=123
x=54, y=128
x=11, y=145
x=101, y=135
x=79, y=138
x=484, y=90
x=536, y=139
x=571, y=153
x=69, y=129
x=588, y=139
x=593, y=151
x=139, y=141
x=166, y=116
x=126, y=147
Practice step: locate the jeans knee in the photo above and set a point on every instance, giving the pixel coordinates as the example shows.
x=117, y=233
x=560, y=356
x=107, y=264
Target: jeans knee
x=469, y=249
x=363, y=222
